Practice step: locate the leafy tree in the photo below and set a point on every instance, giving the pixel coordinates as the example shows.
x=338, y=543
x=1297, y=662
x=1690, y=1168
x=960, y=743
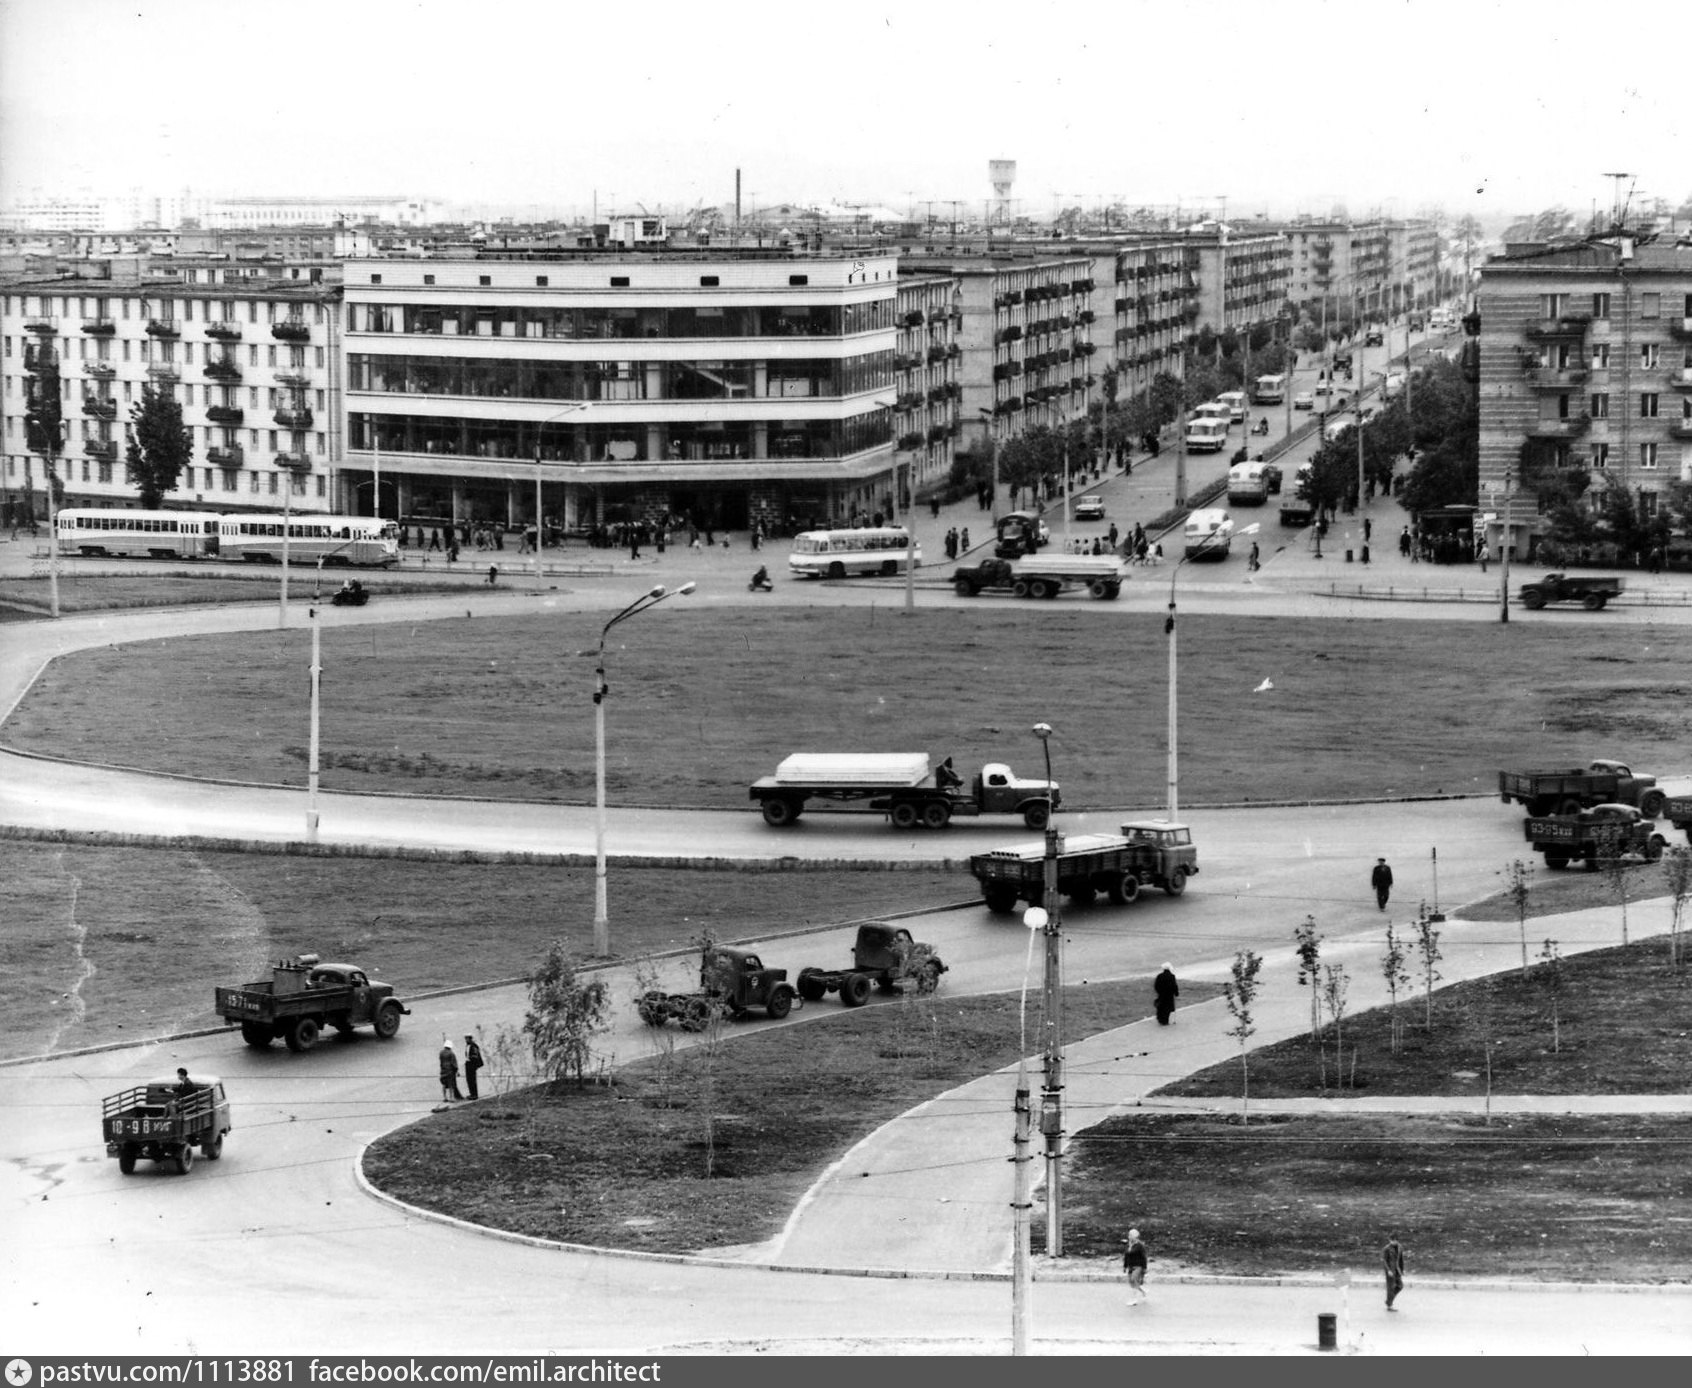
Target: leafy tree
x=1427, y=945
x=44, y=430
x=1335, y=981
x=565, y=1013
x=1395, y=967
x=1308, y=945
x=1520, y=877
x=160, y=446
x=1552, y=974
x=1446, y=428
x=1615, y=874
x=1239, y=993
x=1165, y=396
x=1677, y=868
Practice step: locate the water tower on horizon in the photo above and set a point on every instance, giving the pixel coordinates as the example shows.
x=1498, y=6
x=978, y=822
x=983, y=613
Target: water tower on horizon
x=1001, y=173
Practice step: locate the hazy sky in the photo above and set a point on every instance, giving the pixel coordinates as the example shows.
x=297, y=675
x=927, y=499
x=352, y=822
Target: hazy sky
x=1484, y=106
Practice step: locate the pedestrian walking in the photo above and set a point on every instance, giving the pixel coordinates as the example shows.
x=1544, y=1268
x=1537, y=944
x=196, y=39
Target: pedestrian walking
x=1368, y=525
x=1392, y=1257
x=472, y=1063
x=1404, y=543
x=963, y=540
x=1167, y=990
x=1252, y=564
x=1381, y=880
x=1134, y=1264
x=449, y=1072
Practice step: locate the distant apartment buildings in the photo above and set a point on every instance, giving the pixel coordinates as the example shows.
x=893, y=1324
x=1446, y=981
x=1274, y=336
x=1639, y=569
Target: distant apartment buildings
x=1585, y=360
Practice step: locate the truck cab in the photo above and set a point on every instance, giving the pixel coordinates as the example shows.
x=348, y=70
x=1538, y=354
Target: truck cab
x=999, y=790
x=1175, y=854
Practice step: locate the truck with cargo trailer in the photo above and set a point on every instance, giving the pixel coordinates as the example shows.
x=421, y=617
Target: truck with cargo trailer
x=1042, y=576
x=303, y=996
x=1147, y=853
x=1567, y=792
x=1601, y=833
x=906, y=786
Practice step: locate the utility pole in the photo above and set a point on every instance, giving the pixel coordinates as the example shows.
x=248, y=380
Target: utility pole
x=1022, y=1208
x=1504, y=549
x=1051, y=1089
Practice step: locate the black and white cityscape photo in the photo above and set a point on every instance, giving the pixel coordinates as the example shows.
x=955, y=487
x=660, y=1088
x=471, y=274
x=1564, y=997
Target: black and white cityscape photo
x=693, y=684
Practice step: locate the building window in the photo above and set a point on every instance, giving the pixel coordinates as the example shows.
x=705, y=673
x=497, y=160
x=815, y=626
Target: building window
x=619, y=281
x=430, y=279
x=1600, y=456
x=273, y=484
x=1600, y=356
x=540, y=281
x=1650, y=355
x=1601, y=405
x=1648, y=504
x=1650, y=305
x=1551, y=305
x=484, y=280
x=798, y=279
x=705, y=282
x=1600, y=305
x=1648, y=403
x=1648, y=455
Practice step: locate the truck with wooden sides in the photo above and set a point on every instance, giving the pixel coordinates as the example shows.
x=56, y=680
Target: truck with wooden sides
x=905, y=786
x=303, y=996
x=1042, y=576
x=883, y=957
x=1567, y=792
x=1591, y=591
x=1602, y=833
x=165, y=1120
x=1147, y=853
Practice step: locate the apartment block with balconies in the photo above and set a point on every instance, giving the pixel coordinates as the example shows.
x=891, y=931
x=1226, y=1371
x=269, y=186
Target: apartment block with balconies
x=731, y=388
x=1584, y=362
x=928, y=372
x=254, y=363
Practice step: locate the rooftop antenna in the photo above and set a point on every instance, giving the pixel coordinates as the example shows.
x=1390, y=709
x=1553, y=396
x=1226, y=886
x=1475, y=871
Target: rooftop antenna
x=1620, y=204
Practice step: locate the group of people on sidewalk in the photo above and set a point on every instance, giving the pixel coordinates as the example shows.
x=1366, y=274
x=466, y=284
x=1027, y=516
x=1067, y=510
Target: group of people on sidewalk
x=449, y=1069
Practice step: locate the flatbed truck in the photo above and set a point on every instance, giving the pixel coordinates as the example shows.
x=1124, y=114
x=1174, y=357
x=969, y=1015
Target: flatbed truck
x=1042, y=576
x=1571, y=790
x=905, y=786
x=303, y=996
x=1147, y=853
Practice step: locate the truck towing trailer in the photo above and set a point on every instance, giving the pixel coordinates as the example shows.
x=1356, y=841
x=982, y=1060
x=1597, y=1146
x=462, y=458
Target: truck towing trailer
x=1042, y=576
x=906, y=786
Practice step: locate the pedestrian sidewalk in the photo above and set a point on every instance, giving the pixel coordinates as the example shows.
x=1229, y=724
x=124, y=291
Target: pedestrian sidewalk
x=928, y=1193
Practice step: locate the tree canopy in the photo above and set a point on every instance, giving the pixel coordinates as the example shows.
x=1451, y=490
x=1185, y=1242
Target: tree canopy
x=160, y=446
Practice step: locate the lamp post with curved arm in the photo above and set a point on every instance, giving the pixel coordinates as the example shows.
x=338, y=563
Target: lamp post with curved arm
x=1169, y=631
x=601, y=916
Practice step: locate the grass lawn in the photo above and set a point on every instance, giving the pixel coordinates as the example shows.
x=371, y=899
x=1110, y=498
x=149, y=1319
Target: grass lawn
x=103, y=592
x=703, y=702
x=107, y=944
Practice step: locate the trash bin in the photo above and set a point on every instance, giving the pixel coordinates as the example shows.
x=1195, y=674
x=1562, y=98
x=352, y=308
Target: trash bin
x=1327, y=1330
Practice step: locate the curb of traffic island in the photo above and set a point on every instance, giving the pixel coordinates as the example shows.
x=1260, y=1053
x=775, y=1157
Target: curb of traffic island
x=1105, y=1270
x=201, y=843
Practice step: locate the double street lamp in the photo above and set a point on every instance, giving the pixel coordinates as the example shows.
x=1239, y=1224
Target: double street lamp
x=601, y=916
x=1169, y=631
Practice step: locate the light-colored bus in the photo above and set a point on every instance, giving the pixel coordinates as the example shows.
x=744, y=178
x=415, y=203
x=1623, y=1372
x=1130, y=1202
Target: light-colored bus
x=1213, y=409
x=1208, y=534
x=840, y=553
x=1207, y=435
x=1235, y=401
x=138, y=534
x=1269, y=390
x=361, y=540
x=1248, y=484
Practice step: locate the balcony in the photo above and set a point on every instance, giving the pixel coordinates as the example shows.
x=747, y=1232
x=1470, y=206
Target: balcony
x=163, y=327
x=913, y=319
x=229, y=455
x=1682, y=429
x=40, y=323
x=223, y=370
x=294, y=462
x=101, y=326
x=293, y=419
x=293, y=380
x=909, y=443
x=99, y=407
x=228, y=415
x=1681, y=331
x=226, y=329
x=165, y=372
x=1682, y=381
x=100, y=370
x=291, y=330
x=1551, y=378
x=1571, y=428
x=1550, y=329
x=103, y=449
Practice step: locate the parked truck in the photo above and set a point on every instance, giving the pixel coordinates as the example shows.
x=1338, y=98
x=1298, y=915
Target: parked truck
x=1678, y=809
x=1042, y=576
x=1604, y=832
x=883, y=957
x=302, y=996
x=165, y=1120
x=1578, y=788
x=1147, y=853
x=906, y=786
x=1591, y=591
x=731, y=983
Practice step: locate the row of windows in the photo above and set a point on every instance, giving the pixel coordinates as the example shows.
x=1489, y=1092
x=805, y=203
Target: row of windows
x=102, y=431
x=126, y=392
x=774, y=320
x=163, y=350
x=227, y=478
x=622, y=380
x=481, y=438
x=1602, y=453
x=1599, y=304
x=1650, y=406
x=170, y=309
x=1563, y=356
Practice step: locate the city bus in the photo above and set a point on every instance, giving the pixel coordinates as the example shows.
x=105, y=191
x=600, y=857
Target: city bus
x=839, y=553
x=116, y=532
x=1269, y=390
x=1207, y=435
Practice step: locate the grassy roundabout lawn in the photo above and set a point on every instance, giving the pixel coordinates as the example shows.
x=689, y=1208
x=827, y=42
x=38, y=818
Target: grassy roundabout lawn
x=502, y=707
x=107, y=592
x=635, y=1164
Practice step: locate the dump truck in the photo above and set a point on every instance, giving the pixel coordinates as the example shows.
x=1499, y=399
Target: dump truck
x=1042, y=576
x=1568, y=792
x=302, y=996
x=884, y=957
x=1602, y=833
x=1147, y=853
x=731, y=983
x=165, y=1120
x=905, y=786
x=1591, y=591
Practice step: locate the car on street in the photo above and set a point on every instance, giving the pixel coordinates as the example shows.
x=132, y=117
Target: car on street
x=1416, y=323
x=1374, y=337
x=1304, y=400
x=1324, y=388
x=1089, y=508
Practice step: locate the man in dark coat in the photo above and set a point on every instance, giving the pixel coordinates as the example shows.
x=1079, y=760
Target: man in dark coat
x=472, y=1063
x=1381, y=880
x=1392, y=1257
x=1167, y=990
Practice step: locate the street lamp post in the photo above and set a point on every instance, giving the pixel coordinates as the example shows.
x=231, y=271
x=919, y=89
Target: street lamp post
x=1051, y=1090
x=1169, y=631
x=601, y=916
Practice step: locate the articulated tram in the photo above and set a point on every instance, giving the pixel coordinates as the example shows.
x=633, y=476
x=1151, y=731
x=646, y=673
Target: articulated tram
x=360, y=540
